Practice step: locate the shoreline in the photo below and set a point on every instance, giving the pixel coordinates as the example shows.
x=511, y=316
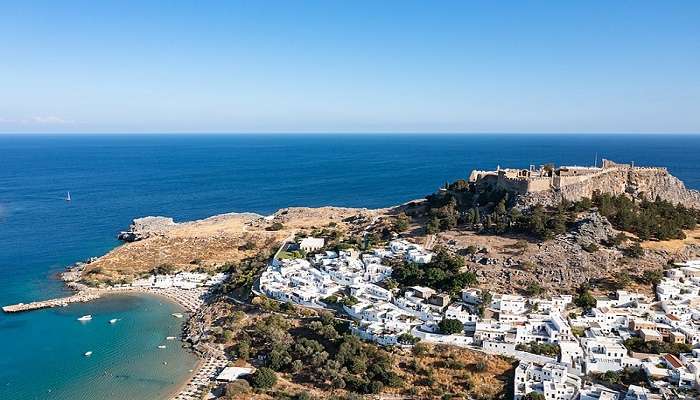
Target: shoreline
x=180, y=388
x=208, y=361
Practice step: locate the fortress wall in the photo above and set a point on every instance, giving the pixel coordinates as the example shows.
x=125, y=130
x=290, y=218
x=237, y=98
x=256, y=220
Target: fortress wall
x=539, y=183
x=613, y=181
x=575, y=179
x=476, y=175
x=638, y=182
x=517, y=185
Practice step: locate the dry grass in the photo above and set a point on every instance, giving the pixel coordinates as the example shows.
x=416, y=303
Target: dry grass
x=211, y=242
x=675, y=245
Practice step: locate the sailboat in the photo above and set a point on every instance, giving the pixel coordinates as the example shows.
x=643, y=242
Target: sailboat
x=68, y=196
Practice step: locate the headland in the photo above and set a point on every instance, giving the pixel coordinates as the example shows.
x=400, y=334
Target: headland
x=508, y=254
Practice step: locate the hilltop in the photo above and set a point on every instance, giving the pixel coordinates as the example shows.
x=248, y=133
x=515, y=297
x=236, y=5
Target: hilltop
x=549, y=185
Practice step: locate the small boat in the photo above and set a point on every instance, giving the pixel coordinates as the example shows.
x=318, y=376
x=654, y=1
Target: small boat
x=170, y=338
x=85, y=318
x=68, y=197
x=88, y=354
x=113, y=320
x=177, y=315
x=162, y=346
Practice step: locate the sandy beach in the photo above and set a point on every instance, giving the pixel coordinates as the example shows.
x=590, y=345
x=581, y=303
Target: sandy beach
x=208, y=365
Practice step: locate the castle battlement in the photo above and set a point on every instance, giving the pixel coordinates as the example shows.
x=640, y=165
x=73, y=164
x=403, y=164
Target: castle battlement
x=547, y=177
x=549, y=185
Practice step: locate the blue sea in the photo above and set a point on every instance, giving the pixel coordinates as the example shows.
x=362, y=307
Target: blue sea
x=114, y=178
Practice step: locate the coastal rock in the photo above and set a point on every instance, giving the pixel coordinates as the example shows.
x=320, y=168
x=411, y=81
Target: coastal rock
x=142, y=228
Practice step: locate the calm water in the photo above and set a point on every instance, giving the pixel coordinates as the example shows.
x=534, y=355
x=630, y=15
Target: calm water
x=113, y=179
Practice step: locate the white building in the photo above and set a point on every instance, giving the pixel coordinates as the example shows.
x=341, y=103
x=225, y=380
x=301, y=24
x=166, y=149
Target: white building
x=310, y=244
x=551, y=380
x=550, y=329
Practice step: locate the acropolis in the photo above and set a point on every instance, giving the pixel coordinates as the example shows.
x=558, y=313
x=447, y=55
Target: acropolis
x=549, y=184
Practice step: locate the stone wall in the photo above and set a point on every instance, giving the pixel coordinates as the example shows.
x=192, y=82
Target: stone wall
x=539, y=183
x=640, y=183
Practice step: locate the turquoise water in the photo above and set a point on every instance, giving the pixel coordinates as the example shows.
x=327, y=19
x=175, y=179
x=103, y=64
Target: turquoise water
x=113, y=179
x=48, y=361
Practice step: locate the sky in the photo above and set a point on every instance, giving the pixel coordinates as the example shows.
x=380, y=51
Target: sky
x=350, y=66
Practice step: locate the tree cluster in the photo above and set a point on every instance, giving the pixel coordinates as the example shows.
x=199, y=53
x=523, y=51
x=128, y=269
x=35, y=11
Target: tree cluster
x=321, y=352
x=544, y=349
x=658, y=219
x=442, y=273
x=491, y=211
x=627, y=376
x=638, y=345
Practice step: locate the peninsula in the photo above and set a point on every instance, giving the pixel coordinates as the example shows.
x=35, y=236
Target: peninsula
x=564, y=282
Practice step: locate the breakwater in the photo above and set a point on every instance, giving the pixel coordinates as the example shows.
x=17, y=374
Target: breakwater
x=81, y=297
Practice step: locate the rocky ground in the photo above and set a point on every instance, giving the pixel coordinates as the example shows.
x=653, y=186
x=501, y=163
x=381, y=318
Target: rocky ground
x=561, y=265
x=509, y=263
x=210, y=243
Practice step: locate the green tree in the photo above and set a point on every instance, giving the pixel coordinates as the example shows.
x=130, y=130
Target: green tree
x=534, y=396
x=585, y=299
x=401, y=222
x=449, y=326
x=534, y=289
x=407, y=338
x=263, y=378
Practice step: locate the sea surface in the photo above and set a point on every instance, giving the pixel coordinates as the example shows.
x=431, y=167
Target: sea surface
x=114, y=178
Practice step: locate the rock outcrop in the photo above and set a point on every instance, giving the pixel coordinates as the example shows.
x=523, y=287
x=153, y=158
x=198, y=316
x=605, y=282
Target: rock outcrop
x=592, y=228
x=142, y=228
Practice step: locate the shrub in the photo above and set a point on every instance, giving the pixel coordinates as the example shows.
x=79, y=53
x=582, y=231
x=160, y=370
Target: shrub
x=401, y=222
x=591, y=247
x=534, y=396
x=247, y=246
x=652, y=276
x=263, y=378
x=546, y=349
x=407, y=338
x=421, y=349
x=534, y=289
x=275, y=227
x=235, y=389
x=480, y=366
x=302, y=396
x=639, y=345
x=163, y=269
x=635, y=250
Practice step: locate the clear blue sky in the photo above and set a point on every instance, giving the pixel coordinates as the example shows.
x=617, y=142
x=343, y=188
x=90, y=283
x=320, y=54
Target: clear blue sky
x=350, y=66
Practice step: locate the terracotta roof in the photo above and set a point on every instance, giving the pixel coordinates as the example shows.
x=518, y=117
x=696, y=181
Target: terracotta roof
x=673, y=360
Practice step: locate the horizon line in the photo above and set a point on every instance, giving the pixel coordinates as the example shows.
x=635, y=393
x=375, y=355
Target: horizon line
x=223, y=133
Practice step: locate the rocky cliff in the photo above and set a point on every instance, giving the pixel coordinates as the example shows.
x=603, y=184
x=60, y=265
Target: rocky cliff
x=640, y=183
x=142, y=228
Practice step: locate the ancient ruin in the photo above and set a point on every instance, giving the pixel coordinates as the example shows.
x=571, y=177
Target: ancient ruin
x=549, y=184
